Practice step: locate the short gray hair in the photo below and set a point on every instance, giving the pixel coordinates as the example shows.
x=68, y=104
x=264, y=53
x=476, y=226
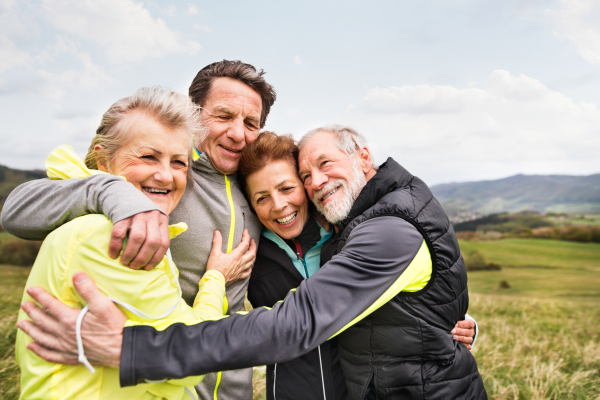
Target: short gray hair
x=168, y=107
x=347, y=139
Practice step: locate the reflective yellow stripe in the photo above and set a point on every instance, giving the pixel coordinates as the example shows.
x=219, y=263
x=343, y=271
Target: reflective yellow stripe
x=195, y=154
x=417, y=272
x=217, y=385
x=229, y=248
x=232, y=226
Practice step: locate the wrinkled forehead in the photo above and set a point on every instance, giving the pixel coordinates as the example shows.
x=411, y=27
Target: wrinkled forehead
x=317, y=148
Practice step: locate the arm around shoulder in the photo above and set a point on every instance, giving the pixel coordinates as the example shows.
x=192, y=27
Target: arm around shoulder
x=36, y=208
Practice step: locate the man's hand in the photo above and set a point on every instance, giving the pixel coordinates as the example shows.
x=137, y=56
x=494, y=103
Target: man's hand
x=53, y=327
x=238, y=263
x=464, y=332
x=148, y=240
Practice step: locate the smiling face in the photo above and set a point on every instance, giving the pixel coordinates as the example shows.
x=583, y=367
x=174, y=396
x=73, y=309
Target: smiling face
x=154, y=158
x=332, y=179
x=278, y=197
x=232, y=115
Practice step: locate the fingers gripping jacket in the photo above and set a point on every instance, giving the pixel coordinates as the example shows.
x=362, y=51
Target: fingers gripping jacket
x=83, y=359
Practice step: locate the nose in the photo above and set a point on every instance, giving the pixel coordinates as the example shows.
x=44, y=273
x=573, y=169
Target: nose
x=278, y=203
x=318, y=179
x=237, y=130
x=164, y=174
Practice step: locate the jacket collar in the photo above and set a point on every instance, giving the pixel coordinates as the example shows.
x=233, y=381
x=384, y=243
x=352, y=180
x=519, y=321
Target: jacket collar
x=388, y=178
x=201, y=163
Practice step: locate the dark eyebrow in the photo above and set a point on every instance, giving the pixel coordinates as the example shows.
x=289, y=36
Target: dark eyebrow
x=253, y=119
x=223, y=110
x=280, y=184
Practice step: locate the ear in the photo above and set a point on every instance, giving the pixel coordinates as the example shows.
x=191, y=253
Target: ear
x=101, y=166
x=366, y=163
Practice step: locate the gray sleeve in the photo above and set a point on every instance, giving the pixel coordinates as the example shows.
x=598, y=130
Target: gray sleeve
x=377, y=252
x=35, y=208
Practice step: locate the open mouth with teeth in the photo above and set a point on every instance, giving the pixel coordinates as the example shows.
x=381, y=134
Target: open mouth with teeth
x=327, y=195
x=231, y=150
x=156, y=191
x=287, y=220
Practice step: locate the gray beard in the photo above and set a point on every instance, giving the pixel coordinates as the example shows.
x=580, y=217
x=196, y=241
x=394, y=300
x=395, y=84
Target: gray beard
x=338, y=209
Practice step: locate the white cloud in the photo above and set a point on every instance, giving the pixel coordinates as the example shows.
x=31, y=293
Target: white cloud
x=297, y=60
x=10, y=55
x=88, y=77
x=579, y=22
x=192, y=10
x=511, y=124
x=203, y=28
x=170, y=10
x=123, y=28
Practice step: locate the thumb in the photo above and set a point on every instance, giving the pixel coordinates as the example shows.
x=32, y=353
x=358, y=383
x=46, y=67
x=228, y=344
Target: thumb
x=87, y=289
x=217, y=243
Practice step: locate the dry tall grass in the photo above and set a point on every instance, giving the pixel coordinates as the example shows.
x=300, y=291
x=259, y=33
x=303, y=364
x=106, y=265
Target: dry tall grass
x=538, y=349
x=527, y=349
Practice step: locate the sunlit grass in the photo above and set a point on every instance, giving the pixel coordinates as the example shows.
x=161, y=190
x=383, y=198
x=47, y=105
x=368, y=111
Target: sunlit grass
x=540, y=339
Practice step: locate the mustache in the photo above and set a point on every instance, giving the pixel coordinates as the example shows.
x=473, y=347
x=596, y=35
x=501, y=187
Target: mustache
x=334, y=183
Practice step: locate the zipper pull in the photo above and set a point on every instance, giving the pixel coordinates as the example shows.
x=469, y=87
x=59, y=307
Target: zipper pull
x=298, y=249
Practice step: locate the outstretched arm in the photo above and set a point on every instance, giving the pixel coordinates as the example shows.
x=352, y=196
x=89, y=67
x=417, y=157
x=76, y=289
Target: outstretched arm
x=36, y=208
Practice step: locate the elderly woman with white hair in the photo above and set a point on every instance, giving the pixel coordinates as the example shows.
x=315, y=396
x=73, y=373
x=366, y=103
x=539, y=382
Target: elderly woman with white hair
x=144, y=138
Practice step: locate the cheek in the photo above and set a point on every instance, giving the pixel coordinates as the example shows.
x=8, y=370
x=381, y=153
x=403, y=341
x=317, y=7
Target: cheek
x=251, y=137
x=180, y=178
x=263, y=214
x=134, y=172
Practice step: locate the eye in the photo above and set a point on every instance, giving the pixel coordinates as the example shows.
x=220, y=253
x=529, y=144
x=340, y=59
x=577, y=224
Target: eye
x=149, y=157
x=303, y=178
x=260, y=200
x=180, y=163
x=287, y=188
x=251, y=125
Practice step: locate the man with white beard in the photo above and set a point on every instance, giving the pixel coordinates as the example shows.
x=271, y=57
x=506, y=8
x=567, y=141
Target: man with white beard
x=391, y=290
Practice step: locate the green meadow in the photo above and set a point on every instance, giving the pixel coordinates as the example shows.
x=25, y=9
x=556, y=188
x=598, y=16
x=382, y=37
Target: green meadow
x=539, y=338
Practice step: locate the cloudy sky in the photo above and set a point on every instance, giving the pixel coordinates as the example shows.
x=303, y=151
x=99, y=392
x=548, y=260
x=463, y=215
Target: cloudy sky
x=455, y=90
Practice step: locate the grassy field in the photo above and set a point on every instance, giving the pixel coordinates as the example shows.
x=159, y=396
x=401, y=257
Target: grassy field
x=540, y=339
x=11, y=292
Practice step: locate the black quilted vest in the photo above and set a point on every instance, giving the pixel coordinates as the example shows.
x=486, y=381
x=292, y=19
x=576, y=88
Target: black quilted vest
x=404, y=350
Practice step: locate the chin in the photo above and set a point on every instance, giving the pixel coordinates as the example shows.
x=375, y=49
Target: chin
x=287, y=234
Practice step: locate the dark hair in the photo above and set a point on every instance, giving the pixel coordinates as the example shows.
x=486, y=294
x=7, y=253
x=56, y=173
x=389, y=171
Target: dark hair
x=245, y=73
x=268, y=147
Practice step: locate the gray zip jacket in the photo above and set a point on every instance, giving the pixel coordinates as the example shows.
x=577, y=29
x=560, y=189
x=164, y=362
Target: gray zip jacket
x=36, y=208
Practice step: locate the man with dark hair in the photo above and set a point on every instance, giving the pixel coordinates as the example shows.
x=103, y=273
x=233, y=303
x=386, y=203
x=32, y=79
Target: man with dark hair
x=236, y=101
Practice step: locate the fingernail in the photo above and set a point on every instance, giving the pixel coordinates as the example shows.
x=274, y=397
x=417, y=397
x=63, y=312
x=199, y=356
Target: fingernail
x=453, y=331
x=19, y=325
x=80, y=278
x=455, y=337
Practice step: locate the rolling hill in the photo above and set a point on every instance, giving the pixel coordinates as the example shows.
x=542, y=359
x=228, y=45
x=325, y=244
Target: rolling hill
x=543, y=193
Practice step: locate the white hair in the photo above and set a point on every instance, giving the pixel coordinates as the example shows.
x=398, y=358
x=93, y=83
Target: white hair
x=168, y=107
x=347, y=140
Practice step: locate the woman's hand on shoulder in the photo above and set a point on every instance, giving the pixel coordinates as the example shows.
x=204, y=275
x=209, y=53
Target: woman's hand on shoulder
x=236, y=265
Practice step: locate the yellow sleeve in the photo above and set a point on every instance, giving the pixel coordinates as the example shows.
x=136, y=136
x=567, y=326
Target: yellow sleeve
x=414, y=278
x=152, y=292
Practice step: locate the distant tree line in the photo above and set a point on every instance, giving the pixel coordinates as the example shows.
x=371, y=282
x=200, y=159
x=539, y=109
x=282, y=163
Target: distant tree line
x=526, y=224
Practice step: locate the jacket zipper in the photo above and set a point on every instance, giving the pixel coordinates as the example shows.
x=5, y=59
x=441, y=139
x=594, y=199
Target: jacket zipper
x=274, y=381
x=322, y=376
x=299, y=255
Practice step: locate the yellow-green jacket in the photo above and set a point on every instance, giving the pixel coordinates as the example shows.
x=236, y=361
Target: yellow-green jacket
x=82, y=245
